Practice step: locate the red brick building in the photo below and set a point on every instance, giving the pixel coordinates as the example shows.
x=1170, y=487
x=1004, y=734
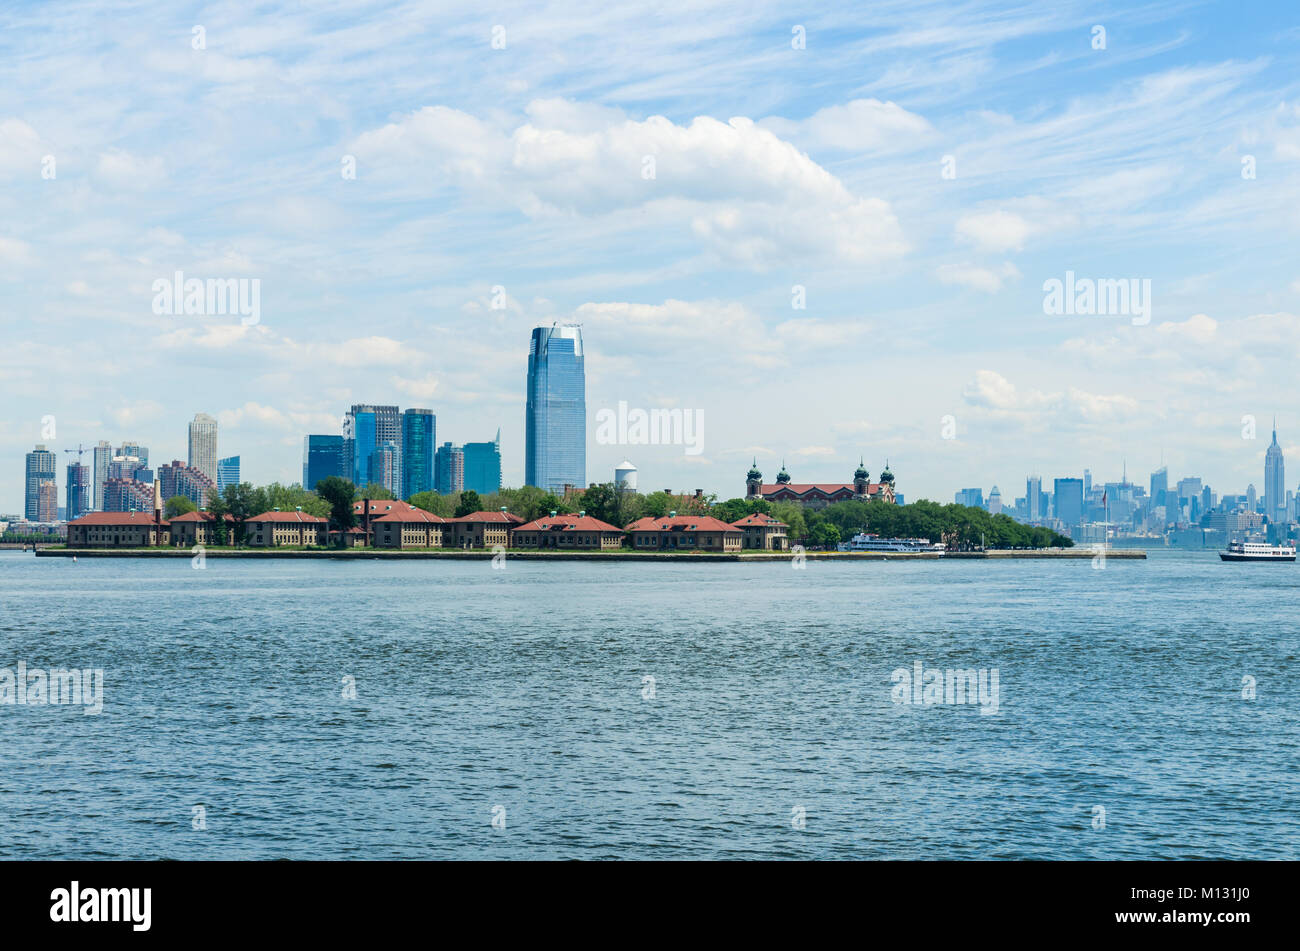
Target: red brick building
x=568, y=533
x=685, y=533
x=117, y=530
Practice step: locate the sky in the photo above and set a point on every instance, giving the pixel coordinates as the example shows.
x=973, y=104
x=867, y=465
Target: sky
x=828, y=232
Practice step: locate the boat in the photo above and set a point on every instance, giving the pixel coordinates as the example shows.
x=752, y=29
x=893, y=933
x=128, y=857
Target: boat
x=864, y=542
x=1257, y=551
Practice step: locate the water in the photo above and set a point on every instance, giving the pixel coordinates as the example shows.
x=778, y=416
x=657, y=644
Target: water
x=523, y=688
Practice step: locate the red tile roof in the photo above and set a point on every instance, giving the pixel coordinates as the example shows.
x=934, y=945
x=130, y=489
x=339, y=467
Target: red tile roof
x=682, y=523
x=117, y=518
x=413, y=515
x=201, y=517
x=384, y=507
x=760, y=520
x=287, y=517
x=568, y=523
x=506, y=517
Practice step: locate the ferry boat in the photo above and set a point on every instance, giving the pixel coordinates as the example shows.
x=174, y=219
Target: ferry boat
x=864, y=542
x=1257, y=551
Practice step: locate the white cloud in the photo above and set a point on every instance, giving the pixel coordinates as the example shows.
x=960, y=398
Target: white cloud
x=860, y=125
x=977, y=278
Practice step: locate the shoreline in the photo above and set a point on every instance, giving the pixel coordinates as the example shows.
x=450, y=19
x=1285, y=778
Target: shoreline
x=1137, y=554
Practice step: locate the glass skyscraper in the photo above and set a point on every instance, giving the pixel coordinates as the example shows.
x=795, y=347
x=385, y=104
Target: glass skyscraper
x=365, y=429
x=227, y=473
x=78, y=499
x=1068, y=494
x=555, y=421
x=321, y=456
x=419, y=428
x=483, y=466
x=450, y=465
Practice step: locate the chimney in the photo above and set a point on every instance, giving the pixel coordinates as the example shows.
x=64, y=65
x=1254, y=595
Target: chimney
x=672, y=514
x=582, y=514
x=365, y=516
x=699, y=493
x=552, y=513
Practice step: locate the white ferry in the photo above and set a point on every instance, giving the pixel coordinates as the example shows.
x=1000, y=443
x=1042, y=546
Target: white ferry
x=1257, y=551
x=864, y=542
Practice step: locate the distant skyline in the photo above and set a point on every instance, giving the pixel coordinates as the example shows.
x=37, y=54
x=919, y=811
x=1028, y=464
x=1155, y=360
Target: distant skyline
x=840, y=240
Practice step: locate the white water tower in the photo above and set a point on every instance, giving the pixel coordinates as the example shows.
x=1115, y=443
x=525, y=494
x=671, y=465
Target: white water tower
x=625, y=476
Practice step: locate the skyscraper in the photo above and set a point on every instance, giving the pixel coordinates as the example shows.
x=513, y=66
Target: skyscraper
x=483, y=465
x=203, y=445
x=78, y=497
x=1034, y=497
x=1068, y=494
x=40, y=468
x=103, y=456
x=1274, y=482
x=322, y=456
x=131, y=448
x=365, y=429
x=555, y=422
x=419, y=434
x=995, y=501
x=1159, y=485
x=227, y=472
x=384, y=467
x=450, y=465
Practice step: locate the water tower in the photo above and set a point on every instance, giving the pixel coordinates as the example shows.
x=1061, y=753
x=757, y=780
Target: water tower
x=625, y=476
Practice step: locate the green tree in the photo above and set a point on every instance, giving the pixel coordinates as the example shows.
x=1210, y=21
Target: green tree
x=241, y=502
x=338, y=494
x=468, y=504
x=178, y=505
x=373, y=491
x=441, y=505
x=218, y=509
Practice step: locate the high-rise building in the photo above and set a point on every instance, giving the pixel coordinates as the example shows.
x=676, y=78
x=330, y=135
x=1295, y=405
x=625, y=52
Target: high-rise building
x=103, y=457
x=555, y=422
x=180, y=479
x=130, y=448
x=419, y=439
x=78, y=493
x=1159, y=485
x=1068, y=494
x=47, y=501
x=129, y=495
x=1274, y=482
x=995, y=501
x=385, y=467
x=1034, y=497
x=971, y=497
x=1087, y=482
x=227, y=472
x=365, y=429
x=483, y=465
x=40, y=468
x=322, y=456
x=1252, y=502
x=203, y=445
x=450, y=466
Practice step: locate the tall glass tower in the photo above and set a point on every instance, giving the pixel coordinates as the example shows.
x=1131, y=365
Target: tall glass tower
x=419, y=427
x=555, y=423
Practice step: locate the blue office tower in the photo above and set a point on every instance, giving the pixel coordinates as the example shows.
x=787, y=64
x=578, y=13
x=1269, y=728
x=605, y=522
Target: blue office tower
x=322, y=456
x=227, y=473
x=556, y=417
x=483, y=466
x=419, y=427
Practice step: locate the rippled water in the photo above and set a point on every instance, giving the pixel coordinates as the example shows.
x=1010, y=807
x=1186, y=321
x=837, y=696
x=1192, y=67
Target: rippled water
x=523, y=688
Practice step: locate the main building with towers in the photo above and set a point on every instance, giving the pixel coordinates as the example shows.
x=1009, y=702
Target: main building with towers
x=816, y=495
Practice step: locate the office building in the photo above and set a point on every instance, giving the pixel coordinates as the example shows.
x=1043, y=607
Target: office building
x=995, y=501
x=203, y=445
x=130, y=448
x=419, y=439
x=1068, y=495
x=78, y=492
x=1034, y=498
x=482, y=462
x=385, y=467
x=365, y=428
x=449, y=464
x=322, y=456
x=227, y=472
x=1274, y=482
x=971, y=497
x=555, y=422
x=40, y=468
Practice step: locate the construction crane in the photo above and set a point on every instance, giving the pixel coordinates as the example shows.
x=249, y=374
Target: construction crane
x=79, y=451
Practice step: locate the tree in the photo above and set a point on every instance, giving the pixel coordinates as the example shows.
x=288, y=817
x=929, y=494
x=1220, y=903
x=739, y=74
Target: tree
x=179, y=505
x=826, y=535
x=373, y=491
x=218, y=509
x=441, y=505
x=338, y=493
x=241, y=502
x=468, y=504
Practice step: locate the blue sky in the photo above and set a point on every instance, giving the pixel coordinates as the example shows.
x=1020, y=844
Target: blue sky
x=522, y=168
